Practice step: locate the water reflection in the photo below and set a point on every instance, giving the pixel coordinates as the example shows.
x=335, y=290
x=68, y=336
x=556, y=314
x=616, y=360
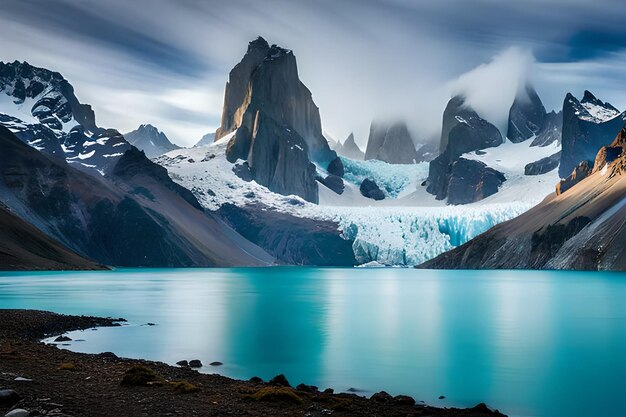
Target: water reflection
x=530, y=343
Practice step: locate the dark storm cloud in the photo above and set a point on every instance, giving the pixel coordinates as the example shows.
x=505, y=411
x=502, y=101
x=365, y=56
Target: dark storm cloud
x=166, y=62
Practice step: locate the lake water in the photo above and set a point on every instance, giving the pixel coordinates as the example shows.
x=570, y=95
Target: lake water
x=529, y=343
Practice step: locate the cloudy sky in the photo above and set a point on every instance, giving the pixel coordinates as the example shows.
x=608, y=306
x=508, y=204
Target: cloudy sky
x=166, y=62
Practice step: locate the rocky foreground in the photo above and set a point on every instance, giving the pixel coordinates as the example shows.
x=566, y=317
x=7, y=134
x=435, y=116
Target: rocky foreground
x=43, y=380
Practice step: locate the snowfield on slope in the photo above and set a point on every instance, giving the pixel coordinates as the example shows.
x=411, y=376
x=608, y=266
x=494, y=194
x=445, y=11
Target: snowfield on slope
x=510, y=159
x=406, y=234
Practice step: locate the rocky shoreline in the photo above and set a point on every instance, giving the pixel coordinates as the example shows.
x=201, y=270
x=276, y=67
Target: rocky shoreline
x=43, y=380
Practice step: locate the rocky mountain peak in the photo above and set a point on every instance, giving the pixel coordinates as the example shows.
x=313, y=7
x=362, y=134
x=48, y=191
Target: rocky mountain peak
x=151, y=140
x=391, y=143
x=588, y=125
x=526, y=116
x=277, y=124
x=258, y=44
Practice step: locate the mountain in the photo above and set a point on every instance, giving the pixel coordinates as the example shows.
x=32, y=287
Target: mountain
x=391, y=143
x=206, y=139
x=588, y=124
x=276, y=125
x=459, y=180
x=526, y=116
x=580, y=228
x=150, y=140
x=135, y=216
x=24, y=247
x=349, y=149
x=40, y=107
x=550, y=132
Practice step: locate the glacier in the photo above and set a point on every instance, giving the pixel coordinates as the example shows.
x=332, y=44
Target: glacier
x=391, y=178
x=402, y=236
x=382, y=235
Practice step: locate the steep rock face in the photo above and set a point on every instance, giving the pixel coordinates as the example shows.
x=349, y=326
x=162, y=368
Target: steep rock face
x=471, y=181
x=582, y=171
x=391, y=143
x=273, y=113
x=24, y=247
x=588, y=124
x=543, y=165
x=267, y=79
x=150, y=140
x=582, y=228
x=292, y=240
x=462, y=131
x=135, y=217
x=40, y=107
x=427, y=152
x=350, y=149
x=277, y=158
x=526, y=116
x=550, y=132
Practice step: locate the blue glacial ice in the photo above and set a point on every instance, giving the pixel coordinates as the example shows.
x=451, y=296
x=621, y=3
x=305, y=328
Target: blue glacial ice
x=406, y=236
x=392, y=179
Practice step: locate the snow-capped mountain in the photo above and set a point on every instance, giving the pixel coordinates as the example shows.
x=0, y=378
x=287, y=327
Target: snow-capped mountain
x=581, y=227
x=206, y=139
x=477, y=162
x=150, y=140
x=40, y=107
x=588, y=124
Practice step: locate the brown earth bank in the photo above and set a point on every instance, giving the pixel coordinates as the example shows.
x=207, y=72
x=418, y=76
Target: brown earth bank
x=62, y=383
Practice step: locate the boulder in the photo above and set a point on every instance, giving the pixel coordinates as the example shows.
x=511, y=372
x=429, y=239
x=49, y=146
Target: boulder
x=8, y=397
x=335, y=167
x=195, y=363
x=370, y=189
x=280, y=380
x=17, y=412
x=333, y=182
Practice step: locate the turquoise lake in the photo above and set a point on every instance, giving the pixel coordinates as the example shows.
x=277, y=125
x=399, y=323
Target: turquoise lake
x=528, y=343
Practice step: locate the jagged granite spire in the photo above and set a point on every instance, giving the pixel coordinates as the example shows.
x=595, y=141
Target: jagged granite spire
x=391, y=143
x=526, y=116
x=588, y=125
x=277, y=124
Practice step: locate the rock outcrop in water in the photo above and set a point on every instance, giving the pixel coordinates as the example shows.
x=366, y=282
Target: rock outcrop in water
x=582, y=228
x=391, y=143
x=266, y=104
